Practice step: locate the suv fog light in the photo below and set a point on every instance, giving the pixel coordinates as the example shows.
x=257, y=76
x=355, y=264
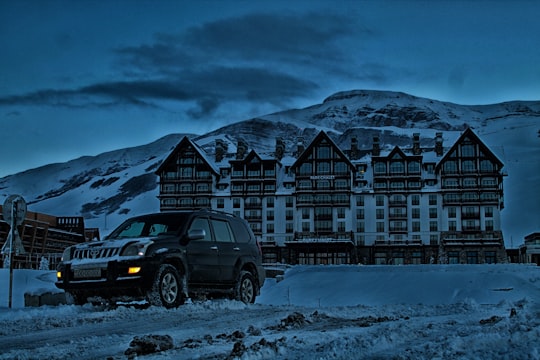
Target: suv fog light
x=134, y=270
x=59, y=274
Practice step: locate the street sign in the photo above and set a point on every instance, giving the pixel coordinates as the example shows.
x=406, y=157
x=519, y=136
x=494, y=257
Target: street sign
x=14, y=209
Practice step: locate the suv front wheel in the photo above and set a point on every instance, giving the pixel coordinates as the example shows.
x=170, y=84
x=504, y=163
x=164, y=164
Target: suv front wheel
x=245, y=290
x=168, y=288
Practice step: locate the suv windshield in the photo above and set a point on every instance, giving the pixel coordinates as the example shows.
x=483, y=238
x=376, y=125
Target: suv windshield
x=149, y=225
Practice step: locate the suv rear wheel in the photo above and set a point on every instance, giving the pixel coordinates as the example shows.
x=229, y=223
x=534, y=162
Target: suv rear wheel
x=245, y=290
x=168, y=288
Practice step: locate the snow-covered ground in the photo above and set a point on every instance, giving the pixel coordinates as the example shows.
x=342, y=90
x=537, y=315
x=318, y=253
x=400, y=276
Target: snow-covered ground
x=315, y=312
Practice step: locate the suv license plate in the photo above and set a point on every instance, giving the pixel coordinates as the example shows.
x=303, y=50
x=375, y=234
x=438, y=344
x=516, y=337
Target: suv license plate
x=86, y=273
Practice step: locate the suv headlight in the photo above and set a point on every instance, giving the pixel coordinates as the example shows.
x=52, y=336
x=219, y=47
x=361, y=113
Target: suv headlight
x=135, y=249
x=66, y=255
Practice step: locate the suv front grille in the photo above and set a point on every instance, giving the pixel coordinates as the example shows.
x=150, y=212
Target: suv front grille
x=97, y=253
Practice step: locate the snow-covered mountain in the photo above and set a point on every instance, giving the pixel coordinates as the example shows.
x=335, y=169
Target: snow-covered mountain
x=107, y=188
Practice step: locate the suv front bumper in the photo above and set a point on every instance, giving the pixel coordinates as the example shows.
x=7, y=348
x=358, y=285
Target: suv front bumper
x=106, y=279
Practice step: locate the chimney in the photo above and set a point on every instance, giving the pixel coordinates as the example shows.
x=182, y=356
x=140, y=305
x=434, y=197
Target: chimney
x=354, y=148
x=280, y=148
x=241, y=149
x=416, y=144
x=376, y=151
x=221, y=149
x=300, y=146
x=438, y=144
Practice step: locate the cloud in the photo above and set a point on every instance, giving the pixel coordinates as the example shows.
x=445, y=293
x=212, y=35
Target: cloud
x=256, y=58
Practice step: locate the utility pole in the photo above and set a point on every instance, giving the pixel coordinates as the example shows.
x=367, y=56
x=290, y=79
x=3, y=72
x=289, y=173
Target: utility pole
x=14, y=212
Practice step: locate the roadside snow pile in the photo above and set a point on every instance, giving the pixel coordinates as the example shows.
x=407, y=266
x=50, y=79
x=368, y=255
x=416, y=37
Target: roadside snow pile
x=345, y=285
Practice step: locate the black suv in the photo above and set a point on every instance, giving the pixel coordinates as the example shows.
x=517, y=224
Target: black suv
x=165, y=258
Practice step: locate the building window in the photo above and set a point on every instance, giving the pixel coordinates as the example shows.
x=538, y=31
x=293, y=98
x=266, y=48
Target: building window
x=397, y=167
x=416, y=213
x=323, y=168
x=486, y=166
x=453, y=257
x=341, y=213
x=415, y=200
x=489, y=225
x=416, y=226
x=360, y=226
x=472, y=257
x=489, y=182
x=359, y=200
x=433, y=239
x=220, y=203
x=305, y=213
x=432, y=213
x=305, y=226
x=360, y=214
x=305, y=169
x=323, y=184
x=323, y=152
x=304, y=185
x=488, y=212
x=469, y=182
x=490, y=257
x=452, y=225
x=236, y=203
x=342, y=184
x=433, y=226
x=270, y=228
x=380, y=213
x=452, y=212
x=289, y=201
x=379, y=200
x=270, y=215
x=469, y=166
x=341, y=226
x=380, y=226
x=414, y=167
x=289, y=214
x=289, y=227
x=397, y=185
x=450, y=167
x=380, y=168
x=432, y=199
x=467, y=150
x=340, y=168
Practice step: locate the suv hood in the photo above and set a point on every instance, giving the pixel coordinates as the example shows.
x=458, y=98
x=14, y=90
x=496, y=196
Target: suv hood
x=98, y=251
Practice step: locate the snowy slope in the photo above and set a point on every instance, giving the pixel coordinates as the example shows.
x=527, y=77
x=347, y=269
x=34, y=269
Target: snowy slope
x=315, y=312
x=108, y=187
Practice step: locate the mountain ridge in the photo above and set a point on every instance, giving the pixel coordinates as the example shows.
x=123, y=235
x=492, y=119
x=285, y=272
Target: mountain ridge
x=110, y=186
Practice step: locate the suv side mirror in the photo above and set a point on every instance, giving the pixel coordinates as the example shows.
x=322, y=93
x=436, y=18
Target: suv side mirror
x=196, y=234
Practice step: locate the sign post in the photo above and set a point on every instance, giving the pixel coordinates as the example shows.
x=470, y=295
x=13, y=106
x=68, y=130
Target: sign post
x=14, y=212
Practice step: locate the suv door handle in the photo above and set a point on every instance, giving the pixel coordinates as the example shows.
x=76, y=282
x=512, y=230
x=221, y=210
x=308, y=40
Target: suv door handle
x=214, y=248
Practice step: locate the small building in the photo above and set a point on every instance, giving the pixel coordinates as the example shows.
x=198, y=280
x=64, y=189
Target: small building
x=45, y=236
x=530, y=251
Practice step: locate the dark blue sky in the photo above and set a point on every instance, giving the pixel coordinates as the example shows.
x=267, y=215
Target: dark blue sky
x=83, y=77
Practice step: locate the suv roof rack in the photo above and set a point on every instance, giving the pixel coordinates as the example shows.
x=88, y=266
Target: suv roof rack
x=210, y=210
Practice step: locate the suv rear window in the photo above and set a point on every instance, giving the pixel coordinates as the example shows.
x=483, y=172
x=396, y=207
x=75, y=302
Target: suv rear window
x=222, y=231
x=241, y=232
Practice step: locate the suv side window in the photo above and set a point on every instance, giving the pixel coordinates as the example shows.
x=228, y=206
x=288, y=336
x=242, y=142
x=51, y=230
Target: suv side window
x=222, y=231
x=202, y=223
x=241, y=232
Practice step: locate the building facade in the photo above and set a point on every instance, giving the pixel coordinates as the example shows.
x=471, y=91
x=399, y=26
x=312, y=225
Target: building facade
x=322, y=204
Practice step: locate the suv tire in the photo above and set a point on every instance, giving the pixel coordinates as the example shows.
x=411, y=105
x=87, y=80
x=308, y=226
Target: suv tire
x=245, y=289
x=168, y=288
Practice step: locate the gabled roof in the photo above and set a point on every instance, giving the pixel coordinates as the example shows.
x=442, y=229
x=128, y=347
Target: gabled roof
x=253, y=154
x=322, y=135
x=468, y=133
x=184, y=143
